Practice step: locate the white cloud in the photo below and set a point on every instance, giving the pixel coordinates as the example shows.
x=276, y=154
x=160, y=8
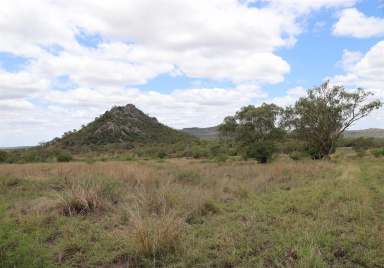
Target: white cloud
x=145, y=39
x=19, y=85
x=224, y=40
x=356, y=24
x=305, y=6
x=297, y=91
x=368, y=73
x=349, y=59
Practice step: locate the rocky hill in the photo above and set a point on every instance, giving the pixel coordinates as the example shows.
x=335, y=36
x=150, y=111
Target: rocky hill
x=122, y=125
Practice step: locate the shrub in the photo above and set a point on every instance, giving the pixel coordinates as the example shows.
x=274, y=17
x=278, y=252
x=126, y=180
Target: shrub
x=378, y=152
x=221, y=158
x=200, y=153
x=291, y=145
x=161, y=154
x=297, y=155
x=128, y=157
x=262, y=152
x=3, y=156
x=64, y=156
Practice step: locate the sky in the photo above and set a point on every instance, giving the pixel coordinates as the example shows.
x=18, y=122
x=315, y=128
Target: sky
x=189, y=63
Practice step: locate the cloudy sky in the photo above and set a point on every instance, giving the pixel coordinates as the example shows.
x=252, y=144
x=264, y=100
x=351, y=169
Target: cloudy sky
x=187, y=62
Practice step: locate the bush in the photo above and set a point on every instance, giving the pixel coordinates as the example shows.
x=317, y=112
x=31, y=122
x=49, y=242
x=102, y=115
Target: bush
x=64, y=156
x=262, y=152
x=161, y=154
x=291, y=145
x=3, y=156
x=378, y=152
x=297, y=155
x=221, y=158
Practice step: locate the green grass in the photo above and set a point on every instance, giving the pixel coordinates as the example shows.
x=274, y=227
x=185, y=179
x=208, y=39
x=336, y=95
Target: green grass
x=190, y=214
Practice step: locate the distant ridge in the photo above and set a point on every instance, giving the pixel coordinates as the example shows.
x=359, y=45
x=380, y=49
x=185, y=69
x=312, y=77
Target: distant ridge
x=209, y=133
x=122, y=125
x=212, y=133
x=366, y=133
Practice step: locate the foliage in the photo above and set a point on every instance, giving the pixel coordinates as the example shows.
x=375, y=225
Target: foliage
x=378, y=152
x=289, y=145
x=261, y=151
x=297, y=155
x=64, y=156
x=254, y=129
x=361, y=142
x=324, y=114
x=3, y=156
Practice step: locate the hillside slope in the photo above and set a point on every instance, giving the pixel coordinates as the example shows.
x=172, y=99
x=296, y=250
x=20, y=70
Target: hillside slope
x=123, y=125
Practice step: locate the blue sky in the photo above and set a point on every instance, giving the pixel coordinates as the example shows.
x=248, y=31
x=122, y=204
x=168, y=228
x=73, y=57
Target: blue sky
x=188, y=63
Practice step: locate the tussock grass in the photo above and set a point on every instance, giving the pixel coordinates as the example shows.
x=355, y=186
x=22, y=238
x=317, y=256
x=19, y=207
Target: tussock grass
x=81, y=196
x=186, y=213
x=157, y=235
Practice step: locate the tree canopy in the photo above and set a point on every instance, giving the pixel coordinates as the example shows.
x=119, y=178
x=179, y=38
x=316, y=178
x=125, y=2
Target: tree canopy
x=325, y=113
x=254, y=129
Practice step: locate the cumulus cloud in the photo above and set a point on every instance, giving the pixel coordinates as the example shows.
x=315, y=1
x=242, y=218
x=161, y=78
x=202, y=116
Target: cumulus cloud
x=354, y=23
x=349, y=59
x=136, y=41
x=305, y=6
x=367, y=72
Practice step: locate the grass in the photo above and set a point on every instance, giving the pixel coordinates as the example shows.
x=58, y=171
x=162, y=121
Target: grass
x=190, y=213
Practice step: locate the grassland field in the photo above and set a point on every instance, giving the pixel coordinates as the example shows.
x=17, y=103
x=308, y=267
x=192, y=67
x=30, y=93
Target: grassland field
x=193, y=213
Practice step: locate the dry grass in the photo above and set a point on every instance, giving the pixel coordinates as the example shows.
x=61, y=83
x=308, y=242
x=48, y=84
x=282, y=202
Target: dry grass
x=158, y=234
x=81, y=196
x=158, y=208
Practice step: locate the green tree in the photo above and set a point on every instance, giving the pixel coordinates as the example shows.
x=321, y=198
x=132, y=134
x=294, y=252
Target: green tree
x=3, y=156
x=324, y=114
x=254, y=129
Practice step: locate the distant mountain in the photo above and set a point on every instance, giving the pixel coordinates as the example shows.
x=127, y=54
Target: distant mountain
x=122, y=125
x=366, y=133
x=15, y=148
x=211, y=133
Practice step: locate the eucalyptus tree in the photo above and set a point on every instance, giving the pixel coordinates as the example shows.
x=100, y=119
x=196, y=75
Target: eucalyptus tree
x=254, y=129
x=321, y=117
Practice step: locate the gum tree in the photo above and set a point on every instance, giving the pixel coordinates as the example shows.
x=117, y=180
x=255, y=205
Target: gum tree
x=254, y=129
x=325, y=113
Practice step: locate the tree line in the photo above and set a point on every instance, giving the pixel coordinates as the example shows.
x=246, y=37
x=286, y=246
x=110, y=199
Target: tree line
x=318, y=119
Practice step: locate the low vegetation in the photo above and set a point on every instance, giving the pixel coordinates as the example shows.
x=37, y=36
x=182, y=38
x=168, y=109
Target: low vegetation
x=193, y=213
